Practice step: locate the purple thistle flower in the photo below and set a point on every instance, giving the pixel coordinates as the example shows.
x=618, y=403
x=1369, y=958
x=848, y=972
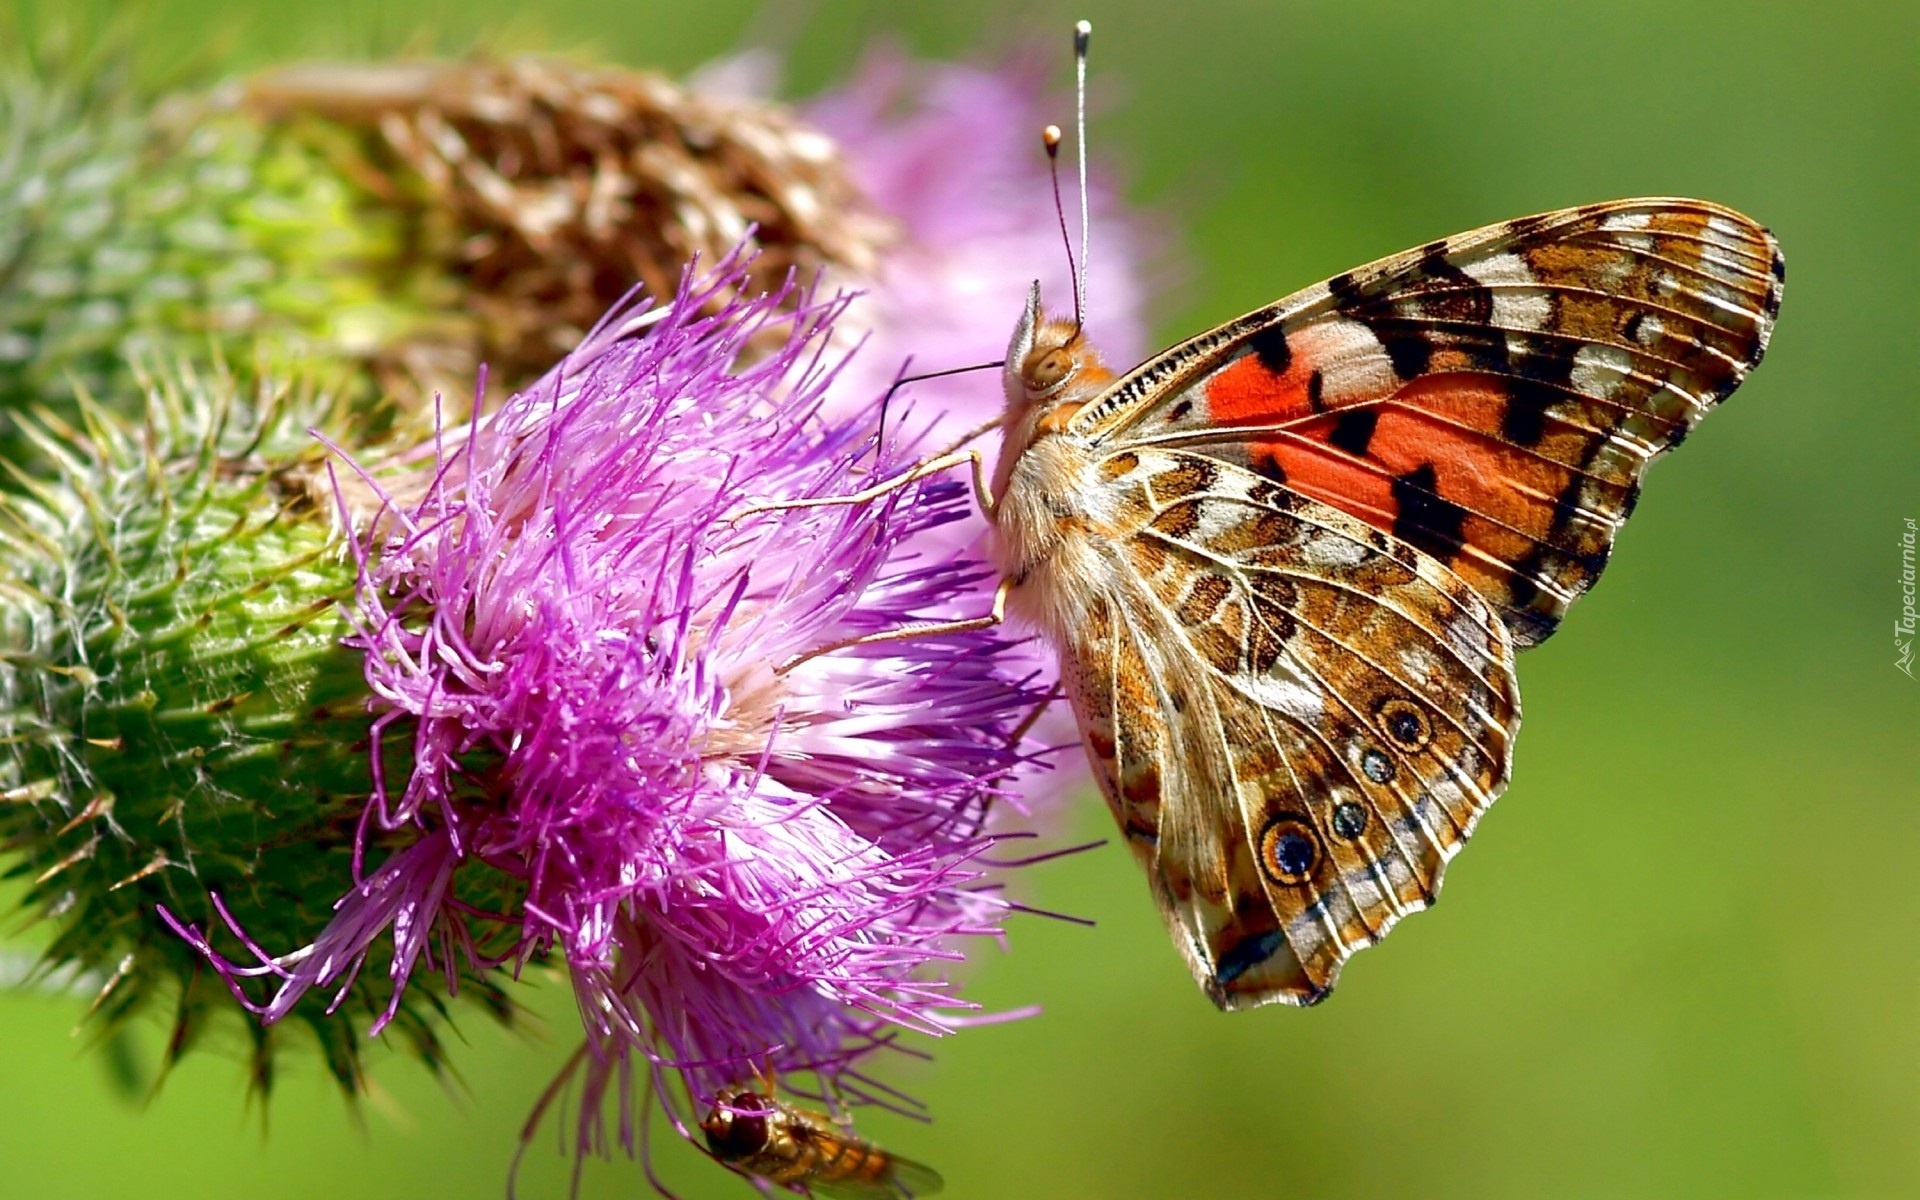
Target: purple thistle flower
x=752, y=845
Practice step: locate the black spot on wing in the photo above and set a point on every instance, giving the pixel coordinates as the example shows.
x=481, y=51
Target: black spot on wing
x=1353, y=430
x=1566, y=507
x=1529, y=628
x=1270, y=344
x=1316, y=388
x=1377, y=766
x=1407, y=344
x=1349, y=820
x=1528, y=401
x=1557, y=557
x=1450, y=293
x=1443, y=307
x=1423, y=517
x=1544, y=359
x=1521, y=589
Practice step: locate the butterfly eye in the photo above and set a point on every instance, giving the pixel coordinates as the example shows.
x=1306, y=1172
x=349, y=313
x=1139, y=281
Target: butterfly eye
x=1288, y=850
x=1046, y=370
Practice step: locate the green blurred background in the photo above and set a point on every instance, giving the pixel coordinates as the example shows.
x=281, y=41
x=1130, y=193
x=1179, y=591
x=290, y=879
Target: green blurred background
x=1682, y=958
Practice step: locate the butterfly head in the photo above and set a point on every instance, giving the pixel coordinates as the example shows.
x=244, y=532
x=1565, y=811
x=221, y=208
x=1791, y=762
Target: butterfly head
x=1050, y=362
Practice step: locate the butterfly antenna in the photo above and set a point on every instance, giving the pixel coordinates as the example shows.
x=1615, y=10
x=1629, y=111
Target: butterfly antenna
x=1082, y=36
x=1050, y=137
x=902, y=380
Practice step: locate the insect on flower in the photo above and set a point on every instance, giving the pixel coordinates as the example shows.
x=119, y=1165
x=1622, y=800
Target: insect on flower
x=769, y=1139
x=1286, y=563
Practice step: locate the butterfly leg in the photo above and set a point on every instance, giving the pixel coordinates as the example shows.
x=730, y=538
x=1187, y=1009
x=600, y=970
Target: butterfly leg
x=916, y=629
x=1020, y=731
x=982, y=494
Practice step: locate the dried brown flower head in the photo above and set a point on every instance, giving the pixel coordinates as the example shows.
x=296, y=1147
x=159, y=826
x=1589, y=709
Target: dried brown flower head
x=549, y=188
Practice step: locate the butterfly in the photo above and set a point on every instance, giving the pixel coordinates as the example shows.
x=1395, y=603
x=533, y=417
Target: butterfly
x=1286, y=563
x=771, y=1140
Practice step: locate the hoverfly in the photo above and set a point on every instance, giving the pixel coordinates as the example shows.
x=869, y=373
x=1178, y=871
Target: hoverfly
x=769, y=1139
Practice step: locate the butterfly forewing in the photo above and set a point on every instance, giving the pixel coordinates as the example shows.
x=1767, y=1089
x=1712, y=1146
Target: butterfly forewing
x=1296, y=719
x=1492, y=399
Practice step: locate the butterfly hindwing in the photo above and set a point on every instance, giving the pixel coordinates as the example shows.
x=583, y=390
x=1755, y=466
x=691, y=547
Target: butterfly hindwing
x=1491, y=399
x=1296, y=718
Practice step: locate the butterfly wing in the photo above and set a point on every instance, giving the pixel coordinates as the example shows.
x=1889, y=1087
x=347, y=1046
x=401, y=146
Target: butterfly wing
x=1295, y=717
x=1491, y=399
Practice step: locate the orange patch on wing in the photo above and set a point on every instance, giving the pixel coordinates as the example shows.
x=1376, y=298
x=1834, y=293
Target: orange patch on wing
x=1449, y=422
x=1247, y=393
x=1478, y=402
x=1473, y=469
x=1331, y=476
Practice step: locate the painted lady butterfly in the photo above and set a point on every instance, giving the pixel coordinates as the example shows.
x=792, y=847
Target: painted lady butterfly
x=1286, y=563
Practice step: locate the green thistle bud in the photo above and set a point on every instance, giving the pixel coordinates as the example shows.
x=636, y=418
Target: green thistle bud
x=179, y=230
x=179, y=720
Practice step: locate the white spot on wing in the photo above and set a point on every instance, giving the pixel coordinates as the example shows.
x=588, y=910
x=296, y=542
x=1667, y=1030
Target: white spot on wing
x=1234, y=485
x=1453, y=800
x=1351, y=361
x=1287, y=690
x=1466, y=635
x=1364, y=886
x=1215, y=519
x=1517, y=304
x=1521, y=310
x=1598, y=370
x=1724, y=267
x=1626, y=220
x=1333, y=550
x=1501, y=270
x=1416, y=662
x=1732, y=233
